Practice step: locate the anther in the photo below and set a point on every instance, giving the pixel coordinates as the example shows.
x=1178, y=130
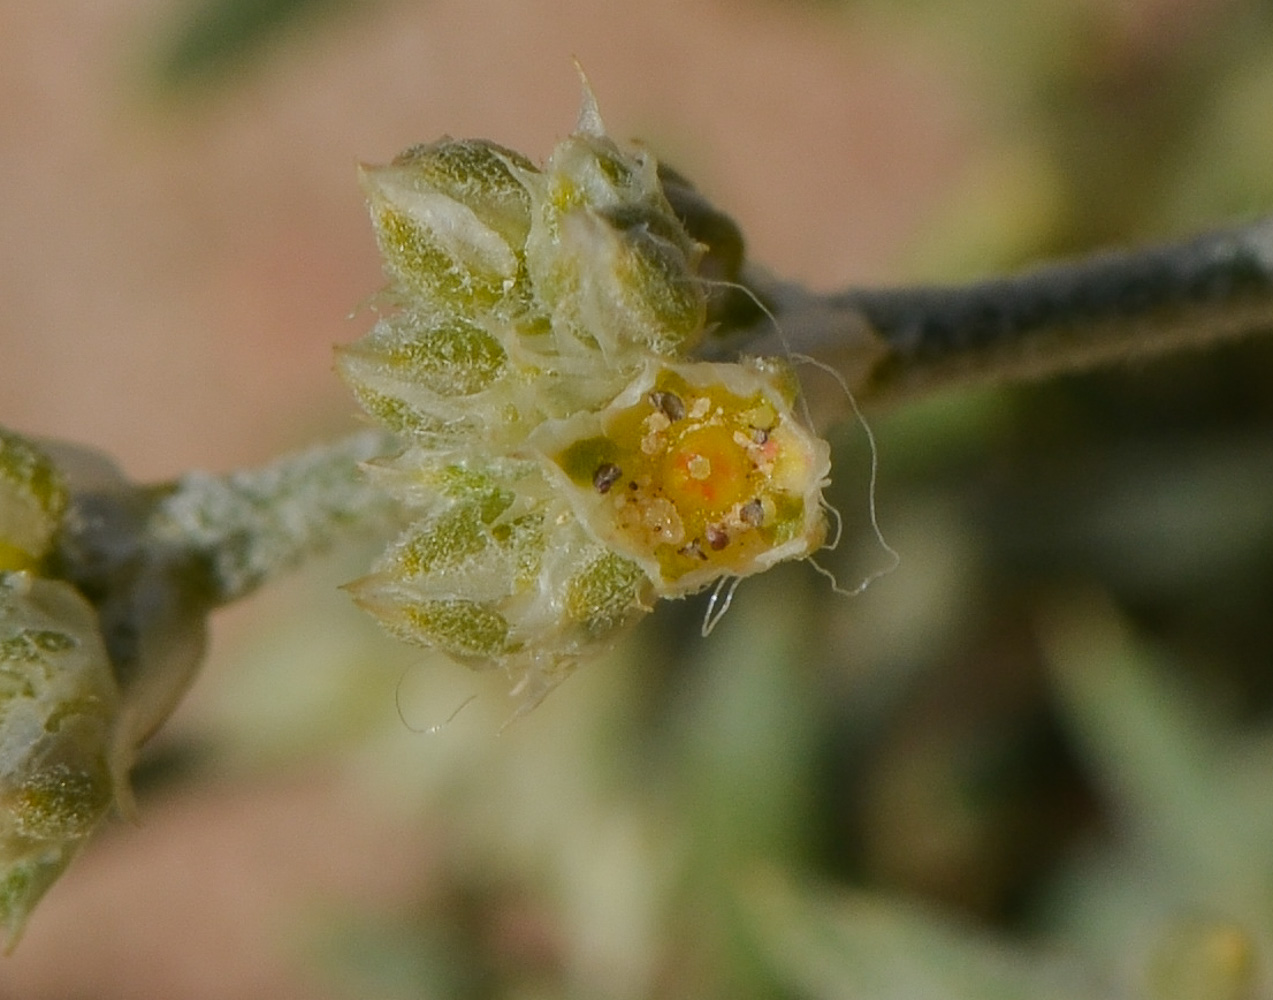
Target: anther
x=668, y=403
x=607, y=475
x=693, y=549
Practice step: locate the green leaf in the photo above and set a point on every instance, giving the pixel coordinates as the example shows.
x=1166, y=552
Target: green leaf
x=830, y=945
x=215, y=38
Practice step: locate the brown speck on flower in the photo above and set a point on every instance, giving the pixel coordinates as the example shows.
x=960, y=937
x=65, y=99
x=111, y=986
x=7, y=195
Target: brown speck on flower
x=694, y=549
x=717, y=537
x=752, y=513
x=669, y=404
x=607, y=475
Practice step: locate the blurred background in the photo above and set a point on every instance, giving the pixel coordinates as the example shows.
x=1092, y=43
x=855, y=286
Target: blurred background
x=1035, y=761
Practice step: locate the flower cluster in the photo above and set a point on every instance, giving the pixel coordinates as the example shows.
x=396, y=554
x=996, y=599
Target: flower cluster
x=566, y=461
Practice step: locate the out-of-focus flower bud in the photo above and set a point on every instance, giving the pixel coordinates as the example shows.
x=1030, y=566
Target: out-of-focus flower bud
x=60, y=768
x=32, y=500
x=61, y=764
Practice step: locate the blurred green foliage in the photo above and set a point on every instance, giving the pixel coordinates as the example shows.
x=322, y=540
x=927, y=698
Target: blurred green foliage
x=208, y=42
x=1036, y=761
x=1106, y=122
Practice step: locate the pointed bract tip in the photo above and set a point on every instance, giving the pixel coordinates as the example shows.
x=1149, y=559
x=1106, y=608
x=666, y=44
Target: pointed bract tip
x=590, y=122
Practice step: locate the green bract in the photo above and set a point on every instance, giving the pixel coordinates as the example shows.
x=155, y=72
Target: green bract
x=60, y=768
x=566, y=463
x=32, y=499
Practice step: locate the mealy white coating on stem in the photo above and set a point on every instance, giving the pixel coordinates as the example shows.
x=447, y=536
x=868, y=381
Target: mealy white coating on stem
x=255, y=523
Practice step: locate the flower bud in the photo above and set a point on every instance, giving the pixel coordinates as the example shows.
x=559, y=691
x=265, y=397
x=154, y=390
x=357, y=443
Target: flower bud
x=60, y=769
x=634, y=289
x=451, y=219
x=416, y=373
x=608, y=257
x=32, y=501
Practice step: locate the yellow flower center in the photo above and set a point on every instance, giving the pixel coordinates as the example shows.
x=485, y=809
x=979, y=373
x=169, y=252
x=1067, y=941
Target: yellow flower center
x=698, y=479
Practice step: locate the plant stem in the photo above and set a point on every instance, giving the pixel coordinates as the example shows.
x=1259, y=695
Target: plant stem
x=897, y=343
x=249, y=525
x=155, y=560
